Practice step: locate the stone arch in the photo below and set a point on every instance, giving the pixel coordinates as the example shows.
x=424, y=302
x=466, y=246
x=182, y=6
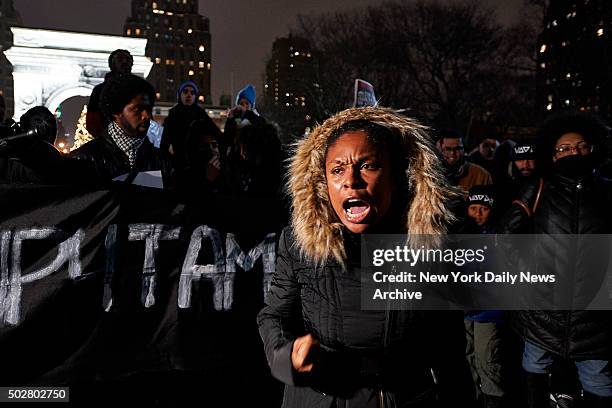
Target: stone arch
x=51, y=66
x=68, y=91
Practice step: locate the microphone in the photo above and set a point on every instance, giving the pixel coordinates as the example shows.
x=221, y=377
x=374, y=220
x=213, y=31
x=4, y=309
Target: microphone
x=4, y=142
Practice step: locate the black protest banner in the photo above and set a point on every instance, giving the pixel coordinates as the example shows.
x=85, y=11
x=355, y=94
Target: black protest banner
x=116, y=289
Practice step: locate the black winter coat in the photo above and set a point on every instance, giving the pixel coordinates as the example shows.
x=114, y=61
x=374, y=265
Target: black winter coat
x=567, y=206
x=176, y=130
x=105, y=160
x=365, y=356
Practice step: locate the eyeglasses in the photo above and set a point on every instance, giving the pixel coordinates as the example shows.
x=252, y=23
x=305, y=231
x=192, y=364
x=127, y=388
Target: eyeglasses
x=580, y=148
x=450, y=150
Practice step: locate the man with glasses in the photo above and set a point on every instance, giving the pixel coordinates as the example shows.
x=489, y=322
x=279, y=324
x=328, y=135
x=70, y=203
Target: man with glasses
x=569, y=199
x=459, y=171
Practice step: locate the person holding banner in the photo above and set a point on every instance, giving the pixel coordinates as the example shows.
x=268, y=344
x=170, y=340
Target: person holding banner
x=364, y=170
x=127, y=101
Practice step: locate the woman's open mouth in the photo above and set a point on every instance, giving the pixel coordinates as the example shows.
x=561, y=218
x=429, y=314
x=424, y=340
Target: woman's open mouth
x=356, y=209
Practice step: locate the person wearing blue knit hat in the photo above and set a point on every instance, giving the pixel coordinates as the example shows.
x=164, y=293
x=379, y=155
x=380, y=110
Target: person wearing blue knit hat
x=243, y=114
x=246, y=97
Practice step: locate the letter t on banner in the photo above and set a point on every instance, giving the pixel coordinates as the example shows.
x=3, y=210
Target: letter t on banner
x=151, y=234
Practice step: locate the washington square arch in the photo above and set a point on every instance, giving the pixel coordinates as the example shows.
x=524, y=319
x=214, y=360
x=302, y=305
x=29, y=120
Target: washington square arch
x=51, y=66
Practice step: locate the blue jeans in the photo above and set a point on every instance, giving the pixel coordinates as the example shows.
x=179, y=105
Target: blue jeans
x=595, y=375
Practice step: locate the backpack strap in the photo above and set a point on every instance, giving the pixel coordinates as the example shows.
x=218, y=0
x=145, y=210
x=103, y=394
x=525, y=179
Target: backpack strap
x=524, y=204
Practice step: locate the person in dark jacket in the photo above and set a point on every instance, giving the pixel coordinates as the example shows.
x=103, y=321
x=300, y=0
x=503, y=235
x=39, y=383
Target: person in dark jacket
x=485, y=329
x=485, y=154
x=120, y=62
x=364, y=170
x=519, y=170
x=127, y=100
x=568, y=199
x=32, y=158
x=178, y=122
x=240, y=116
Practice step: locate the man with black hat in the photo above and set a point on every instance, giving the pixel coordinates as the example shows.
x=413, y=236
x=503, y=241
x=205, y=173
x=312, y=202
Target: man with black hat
x=521, y=169
x=485, y=329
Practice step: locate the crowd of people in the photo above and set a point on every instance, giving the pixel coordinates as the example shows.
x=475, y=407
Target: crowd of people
x=194, y=155
x=371, y=170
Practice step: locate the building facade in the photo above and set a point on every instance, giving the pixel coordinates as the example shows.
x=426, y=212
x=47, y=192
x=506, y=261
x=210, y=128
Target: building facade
x=8, y=17
x=179, y=44
x=289, y=82
x=574, y=57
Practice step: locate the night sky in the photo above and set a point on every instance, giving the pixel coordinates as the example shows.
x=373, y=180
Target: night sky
x=242, y=30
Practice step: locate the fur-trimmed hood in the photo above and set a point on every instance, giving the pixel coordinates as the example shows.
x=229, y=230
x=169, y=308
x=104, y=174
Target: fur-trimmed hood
x=316, y=227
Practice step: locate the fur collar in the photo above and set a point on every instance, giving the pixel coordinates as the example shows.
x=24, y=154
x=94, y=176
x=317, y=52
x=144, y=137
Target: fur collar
x=316, y=228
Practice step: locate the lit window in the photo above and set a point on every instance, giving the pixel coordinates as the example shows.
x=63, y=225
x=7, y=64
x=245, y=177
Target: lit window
x=287, y=104
x=567, y=102
x=543, y=48
x=291, y=66
x=266, y=86
x=600, y=32
x=158, y=60
x=156, y=35
x=201, y=64
x=189, y=31
x=208, y=65
x=554, y=23
x=191, y=73
x=191, y=63
x=201, y=98
x=543, y=65
x=201, y=48
x=287, y=94
x=296, y=53
x=154, y=5
x=549, y=106
x=137, y=31
x=169, y=13
x=550, y=98
x=157, y=95
x=128, y=31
